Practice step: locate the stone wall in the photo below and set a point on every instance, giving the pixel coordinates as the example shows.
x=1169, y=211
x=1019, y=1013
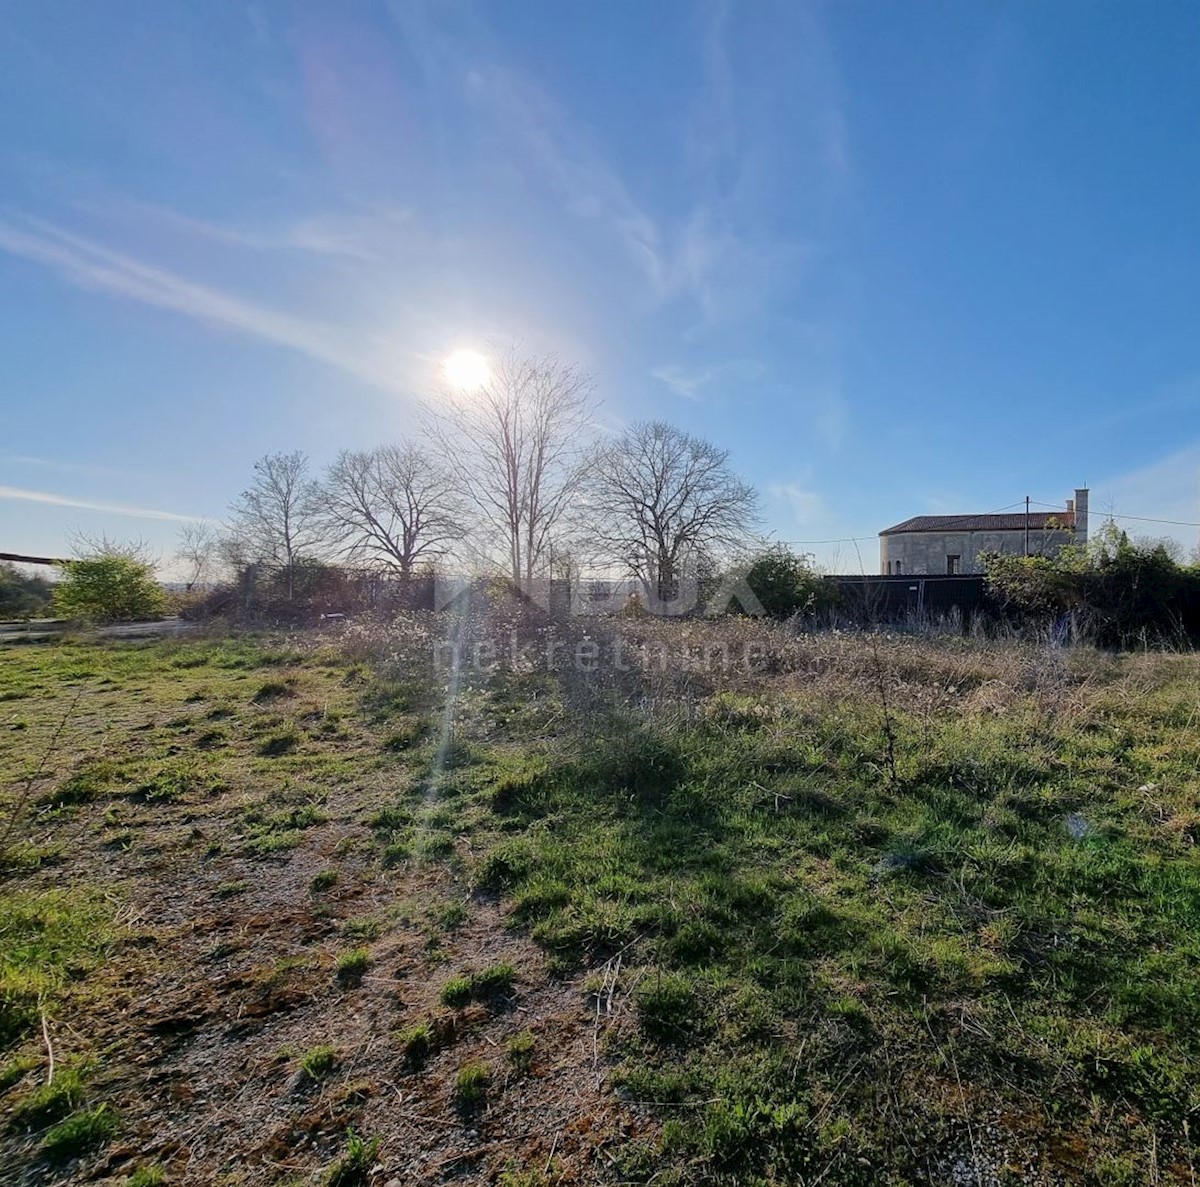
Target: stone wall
x=926, y=553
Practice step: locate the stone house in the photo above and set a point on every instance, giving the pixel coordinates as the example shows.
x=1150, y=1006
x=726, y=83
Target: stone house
x=951, y=544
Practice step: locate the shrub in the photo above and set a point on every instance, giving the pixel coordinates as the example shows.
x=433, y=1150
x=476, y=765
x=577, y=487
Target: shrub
x=110, y=587
x=784, y=583
x=21, y=596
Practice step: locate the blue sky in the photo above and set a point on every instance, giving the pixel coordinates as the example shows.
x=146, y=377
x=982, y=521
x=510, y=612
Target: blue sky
x=899, y=259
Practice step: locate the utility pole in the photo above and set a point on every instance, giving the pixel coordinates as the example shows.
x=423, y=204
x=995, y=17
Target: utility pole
x=1026, y=525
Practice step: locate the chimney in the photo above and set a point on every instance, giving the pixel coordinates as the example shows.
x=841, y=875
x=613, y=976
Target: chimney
x=1081, y=515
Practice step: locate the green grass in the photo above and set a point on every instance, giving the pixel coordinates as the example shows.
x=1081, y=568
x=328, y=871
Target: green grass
x=279, y=742
x=485, y=985
x=352, y=1168
x=147, y=1176
x=352, y=966
x=796, y=931
x=317, y=1062
x=49, y=1102
x=325, y=880
x=80, y=1133
x=519, y=1051
x=816, y=954
x=48, y=940
x=471, y=1085
x=417, y=1043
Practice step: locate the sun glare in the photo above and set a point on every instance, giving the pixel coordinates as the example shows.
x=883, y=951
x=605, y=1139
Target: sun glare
x=466, y=370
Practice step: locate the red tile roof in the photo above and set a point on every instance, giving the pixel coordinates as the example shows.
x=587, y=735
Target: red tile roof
x=1038, y=521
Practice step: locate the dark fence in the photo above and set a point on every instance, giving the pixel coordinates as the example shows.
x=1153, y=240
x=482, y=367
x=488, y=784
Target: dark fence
x=879, y=599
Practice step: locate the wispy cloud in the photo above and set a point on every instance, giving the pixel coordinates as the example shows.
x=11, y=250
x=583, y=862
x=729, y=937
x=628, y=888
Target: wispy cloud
x=808, y=507
x=55, y=500
x=92, y=265
x=832, y=418
x=367, y=235
x=16, y=459
x=563, y=153
x=689, y=384
x=1167, y=489
x=719, y=379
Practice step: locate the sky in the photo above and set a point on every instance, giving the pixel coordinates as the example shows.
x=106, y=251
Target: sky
x=899, y=259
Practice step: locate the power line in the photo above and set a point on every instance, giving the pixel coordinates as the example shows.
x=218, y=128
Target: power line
x=1179, y=523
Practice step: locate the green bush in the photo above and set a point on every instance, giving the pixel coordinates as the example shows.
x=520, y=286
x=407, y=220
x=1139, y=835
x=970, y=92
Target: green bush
x=1120, y=592
x=21, y=596
x=784, y=583
x=109, y=587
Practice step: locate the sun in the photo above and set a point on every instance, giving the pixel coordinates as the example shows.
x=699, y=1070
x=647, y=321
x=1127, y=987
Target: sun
x=466, y=370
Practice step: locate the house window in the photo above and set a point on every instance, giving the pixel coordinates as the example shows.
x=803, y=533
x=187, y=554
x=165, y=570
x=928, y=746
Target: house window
x=953, y=563
x=889, y=568
x=898, y=570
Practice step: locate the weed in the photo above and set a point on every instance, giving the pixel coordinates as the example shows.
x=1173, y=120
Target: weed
x=515, y=1176
x=352, y=1169
x=417, y=1043
x=80, y=1133
x=92, y=780
x=493, y=981
x=365, y=927
x=147, y=1176
x=405, y=736
x=666, y=1005
x=230, y=889
x=13, y=1072
x=323, y=880
x=457, y=991
x=352, y=966
x=281, y=830
x=279, y=742
x=452, y=916
x=471, y=1085
x=271, y=690
x=318, y=1062
x=519, y=1050
x=488, y=984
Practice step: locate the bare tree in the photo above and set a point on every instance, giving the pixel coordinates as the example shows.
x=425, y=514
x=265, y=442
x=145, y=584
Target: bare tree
x=515, y=449
x=277, y=518
x=86, y=545
x=199, y=543
x=393, y=505
x=664, y=503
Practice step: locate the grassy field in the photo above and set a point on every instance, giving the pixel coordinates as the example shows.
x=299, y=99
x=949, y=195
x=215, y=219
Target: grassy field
x=669, y=902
